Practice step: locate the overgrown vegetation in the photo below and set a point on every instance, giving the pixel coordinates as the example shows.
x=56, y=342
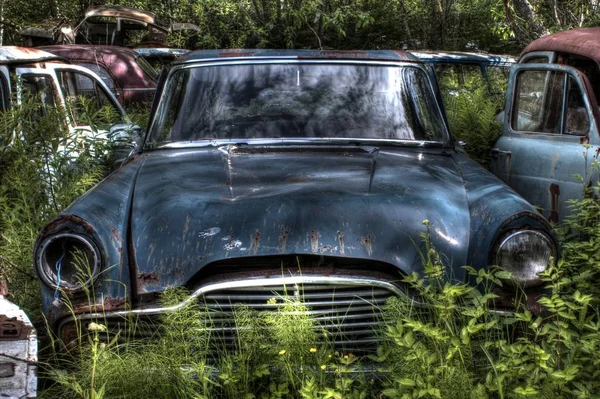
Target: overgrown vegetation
x=44, y=168
x=472, y=111
x=448, y=344
x=488, y=25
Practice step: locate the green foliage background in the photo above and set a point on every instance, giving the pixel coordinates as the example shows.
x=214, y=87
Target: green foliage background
x=490, y=25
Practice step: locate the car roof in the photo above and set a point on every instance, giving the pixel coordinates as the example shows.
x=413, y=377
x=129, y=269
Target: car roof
x=463, y=57
x=373, y=55
x=25, y=55
x=582, y=41
x=121, y=61
x=88, y=51
x=129, y=13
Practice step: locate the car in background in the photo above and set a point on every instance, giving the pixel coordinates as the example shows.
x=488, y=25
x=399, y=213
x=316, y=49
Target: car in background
x=126, y=73
x=268, y=173
x=115, y=26
x=466, y=71
x=551, y=113
x=61, y=84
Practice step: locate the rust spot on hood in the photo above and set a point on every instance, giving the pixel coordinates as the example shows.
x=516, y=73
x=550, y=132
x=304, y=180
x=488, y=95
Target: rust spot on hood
x=367, y=243
x=314, y=241
x=554, y=194
x=284, y=237
x=255, y=241
x=340, y=237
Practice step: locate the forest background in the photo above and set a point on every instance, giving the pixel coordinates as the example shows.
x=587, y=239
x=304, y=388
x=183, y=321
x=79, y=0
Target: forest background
x=496, y=26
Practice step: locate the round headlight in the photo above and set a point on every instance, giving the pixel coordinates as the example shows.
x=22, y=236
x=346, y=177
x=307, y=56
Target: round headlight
x=525, y=254
x=69, y=261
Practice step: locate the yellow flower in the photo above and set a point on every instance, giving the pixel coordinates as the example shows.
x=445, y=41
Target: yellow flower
x=312, y=350
x=272, y=301
x=323, y=367
x=282, y=352
x=345, y=356
x=329, y=356
x=94, y=327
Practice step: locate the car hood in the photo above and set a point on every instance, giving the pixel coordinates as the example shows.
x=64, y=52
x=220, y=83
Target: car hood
x=191, y=207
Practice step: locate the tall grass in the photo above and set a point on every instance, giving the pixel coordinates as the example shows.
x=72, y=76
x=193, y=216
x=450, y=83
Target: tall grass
x=446, y=343
x=44, y=168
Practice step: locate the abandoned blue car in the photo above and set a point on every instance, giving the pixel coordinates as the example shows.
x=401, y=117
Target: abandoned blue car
x=267, y=173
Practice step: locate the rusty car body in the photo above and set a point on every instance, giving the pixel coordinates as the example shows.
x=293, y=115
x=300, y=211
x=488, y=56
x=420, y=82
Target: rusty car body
x=552, y=111
x=128, y=75
x=18, y=350
x=266, y=172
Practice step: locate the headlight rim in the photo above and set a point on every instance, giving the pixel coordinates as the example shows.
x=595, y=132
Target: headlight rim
x=43, y=268
x=507, y=235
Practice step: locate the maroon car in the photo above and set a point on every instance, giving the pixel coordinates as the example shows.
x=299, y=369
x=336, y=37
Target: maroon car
x=126, y=73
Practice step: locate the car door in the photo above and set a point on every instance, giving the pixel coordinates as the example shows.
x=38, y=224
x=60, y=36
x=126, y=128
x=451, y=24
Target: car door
x=75, y=82
x=551, y=113
x=103, y=117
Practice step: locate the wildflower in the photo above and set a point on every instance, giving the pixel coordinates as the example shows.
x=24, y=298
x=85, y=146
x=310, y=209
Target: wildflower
x=323, y=367
x=425, y=222
x=95, y=327
x=272, y=301
x=345, y=356
x=282, y=352
x=312, y=350
x=329, y=356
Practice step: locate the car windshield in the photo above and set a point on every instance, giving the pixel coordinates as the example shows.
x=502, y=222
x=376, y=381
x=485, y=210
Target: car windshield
x=298, y=100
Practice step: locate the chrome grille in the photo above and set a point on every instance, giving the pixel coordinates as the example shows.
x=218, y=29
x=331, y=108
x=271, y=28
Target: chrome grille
x=350, y=315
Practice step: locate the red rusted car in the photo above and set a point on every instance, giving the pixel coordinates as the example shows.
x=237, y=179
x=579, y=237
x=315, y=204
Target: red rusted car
x=128, y=75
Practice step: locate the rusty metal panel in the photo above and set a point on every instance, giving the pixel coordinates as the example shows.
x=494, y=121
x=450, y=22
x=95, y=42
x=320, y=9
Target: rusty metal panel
x=18, y=351
x=22, y=55
x=583, y=41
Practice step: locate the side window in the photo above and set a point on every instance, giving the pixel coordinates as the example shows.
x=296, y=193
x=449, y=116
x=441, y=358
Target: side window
x=549, y=102
x=39, y=85
x=454, y=77
x=76, y=86
x=498, y=78
x=100, y=71
x=577, y=121
x=539, y=59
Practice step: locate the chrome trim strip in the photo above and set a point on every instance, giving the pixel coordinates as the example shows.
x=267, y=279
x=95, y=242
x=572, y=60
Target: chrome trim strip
x=292, y=141
x=295, y=58
x=244, y=283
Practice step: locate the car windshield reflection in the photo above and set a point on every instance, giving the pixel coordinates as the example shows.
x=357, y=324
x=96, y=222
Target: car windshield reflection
x=259, y=101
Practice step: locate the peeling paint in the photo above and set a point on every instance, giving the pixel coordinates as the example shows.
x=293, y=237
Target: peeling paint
x=209, y=232
x=314, y=241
